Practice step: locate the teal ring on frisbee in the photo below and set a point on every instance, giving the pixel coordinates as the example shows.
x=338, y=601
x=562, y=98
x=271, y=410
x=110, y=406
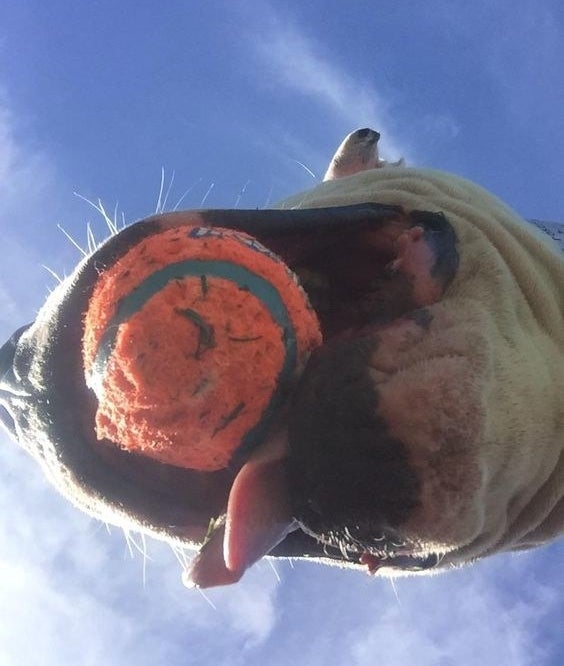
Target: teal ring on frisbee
x=258, y=286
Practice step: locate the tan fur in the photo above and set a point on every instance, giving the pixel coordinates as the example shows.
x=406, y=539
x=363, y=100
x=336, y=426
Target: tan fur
x=479, y=397
x=358, y=151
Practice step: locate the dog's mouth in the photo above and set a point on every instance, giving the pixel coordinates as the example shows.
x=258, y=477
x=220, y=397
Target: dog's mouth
x=377, y=549
x=214, y=564
x=356, y=267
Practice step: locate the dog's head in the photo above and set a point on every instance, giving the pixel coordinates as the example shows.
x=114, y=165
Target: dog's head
x=396, y=450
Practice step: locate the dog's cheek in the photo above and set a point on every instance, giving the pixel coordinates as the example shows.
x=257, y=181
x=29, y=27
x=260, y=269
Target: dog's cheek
x=431, y=396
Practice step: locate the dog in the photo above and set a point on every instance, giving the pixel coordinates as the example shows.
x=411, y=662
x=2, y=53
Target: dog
x=427, y=431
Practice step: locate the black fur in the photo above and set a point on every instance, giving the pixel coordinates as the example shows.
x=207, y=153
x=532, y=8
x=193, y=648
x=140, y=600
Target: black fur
x=334, y=413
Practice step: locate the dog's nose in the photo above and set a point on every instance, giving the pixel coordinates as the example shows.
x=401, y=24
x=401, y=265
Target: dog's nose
x=9, y=381
x=366, y=131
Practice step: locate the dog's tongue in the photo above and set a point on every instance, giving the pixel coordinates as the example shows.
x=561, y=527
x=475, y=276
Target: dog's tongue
x=258, y=518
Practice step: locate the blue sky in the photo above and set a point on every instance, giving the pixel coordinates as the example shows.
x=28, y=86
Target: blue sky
x=236, y=101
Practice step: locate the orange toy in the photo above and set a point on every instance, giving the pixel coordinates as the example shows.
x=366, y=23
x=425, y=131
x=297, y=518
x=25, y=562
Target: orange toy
x=191, y=342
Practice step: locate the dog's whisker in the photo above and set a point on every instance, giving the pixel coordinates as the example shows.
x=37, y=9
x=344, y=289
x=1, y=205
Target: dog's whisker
x=127, y=536
x=305, y=168
x=167, y=193
x=99, y=208
x=267, y=202
x=112, y=224
x=394, y=588
x=158, y=208
x=241, y=193
x=145, y=558
x=82, y=251
x=186, y=194
x=181, y=555
x=132, y=543
x=52, y=273
x=91, y=240
x=207, y=599
x=206, y=195
x=273, y=567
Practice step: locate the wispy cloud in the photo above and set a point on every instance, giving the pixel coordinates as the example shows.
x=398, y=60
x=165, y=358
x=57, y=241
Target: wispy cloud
x=287, y=57
x=26, y=185
x=464, y=619
x=25, y=173
x=298, y=63
x=61, y=572
x=477, y=617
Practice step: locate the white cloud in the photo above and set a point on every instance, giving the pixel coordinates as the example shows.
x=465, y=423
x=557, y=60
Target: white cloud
x=8, y=306
x=88, y=602
x=25, y=173
x=294, y=61
x=493, y=613
x=440, y=126
x=27, y=196
x=55, y=618
x=463, y=619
